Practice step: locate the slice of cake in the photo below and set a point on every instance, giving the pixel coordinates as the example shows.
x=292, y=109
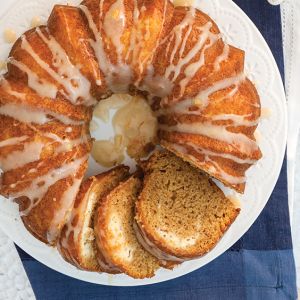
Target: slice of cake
x=115, y=235
x=181, y=214
x=77, y=241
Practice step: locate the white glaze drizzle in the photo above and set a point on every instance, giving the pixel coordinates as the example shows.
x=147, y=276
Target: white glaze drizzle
x=137, y=47
x=113, y=25
x=26, y=114
x=229, y=156
x=118, y=77
x=155, y=84
x=203, y=96
x=178, y=39
x=39, y=85
x=199, y=46
x=7, y=87
x=213, y=167
x=13, y=141
x=40, y=185
x=150, y=70
x=65, y=143
x=185, y=106
x=235, y=120
x=69, y=76
x=193, y=68
x=31, y=151
x=152, y=248
x=68, y=145
x=133, y=45
x=60, y=217
x=77, y=87
x=16, y=159
x=218, y=132
x=176, y=35
x=221, y=58
x=70, y=228
x=161, y=30
x=205, y=40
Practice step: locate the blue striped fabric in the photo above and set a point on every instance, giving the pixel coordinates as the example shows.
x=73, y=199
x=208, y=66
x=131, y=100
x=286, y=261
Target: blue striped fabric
x=259, y=266
x=235, y=275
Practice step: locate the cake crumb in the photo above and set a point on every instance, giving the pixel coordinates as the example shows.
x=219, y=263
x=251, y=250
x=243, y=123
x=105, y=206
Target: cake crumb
x=10, y=36
x=36, y=21
x=183, y=2
x=266, y=113
x=257, y=135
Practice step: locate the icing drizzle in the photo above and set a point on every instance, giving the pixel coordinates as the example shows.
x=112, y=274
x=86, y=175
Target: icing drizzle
x=27, y=114
x=61, y=214
x=117, y=76
x=236, y=140
x=39, y=186
x=211, y=165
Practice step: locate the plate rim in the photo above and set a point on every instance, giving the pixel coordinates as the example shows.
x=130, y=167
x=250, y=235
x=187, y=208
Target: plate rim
x=174, y=275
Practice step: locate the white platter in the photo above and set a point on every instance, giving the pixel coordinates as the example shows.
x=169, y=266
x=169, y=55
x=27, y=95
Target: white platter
x=260, y=67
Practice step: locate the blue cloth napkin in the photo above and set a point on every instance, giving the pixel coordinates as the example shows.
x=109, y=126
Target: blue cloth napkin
x=259, y=266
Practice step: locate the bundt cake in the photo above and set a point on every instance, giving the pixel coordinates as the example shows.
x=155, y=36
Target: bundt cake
x=180, y=213
x=77, y=240
x=115, y=235
x=174, y=56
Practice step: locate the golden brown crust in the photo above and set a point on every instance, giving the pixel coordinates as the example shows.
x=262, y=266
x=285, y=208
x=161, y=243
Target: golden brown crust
x=150, y=27
x=164, y=53
x=20, y=54
x=77, y=113
x=39, y=220
x=245, y=101
x=70, y=250
x=70, y=28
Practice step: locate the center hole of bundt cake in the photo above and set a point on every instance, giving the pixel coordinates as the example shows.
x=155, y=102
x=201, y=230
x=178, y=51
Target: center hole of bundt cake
x=124, y=129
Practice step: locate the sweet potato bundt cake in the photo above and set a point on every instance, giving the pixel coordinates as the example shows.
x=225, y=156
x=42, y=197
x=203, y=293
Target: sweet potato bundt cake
x=174, y=56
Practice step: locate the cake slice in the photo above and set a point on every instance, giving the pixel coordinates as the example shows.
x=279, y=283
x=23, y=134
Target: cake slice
x=180, y=214
x=115, y=234
x=77, y=241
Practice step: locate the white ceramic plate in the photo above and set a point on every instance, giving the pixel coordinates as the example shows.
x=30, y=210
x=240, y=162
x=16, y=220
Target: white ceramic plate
x=260, y=67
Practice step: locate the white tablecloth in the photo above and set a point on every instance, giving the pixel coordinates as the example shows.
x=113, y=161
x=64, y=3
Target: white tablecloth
x=290, y=10
x=14, y=284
